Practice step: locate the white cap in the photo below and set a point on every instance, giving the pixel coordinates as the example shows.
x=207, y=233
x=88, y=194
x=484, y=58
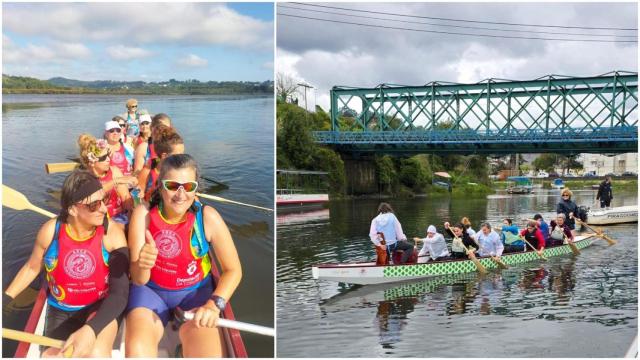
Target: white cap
x=111, y=125
x=431, y=229
x=144, y=117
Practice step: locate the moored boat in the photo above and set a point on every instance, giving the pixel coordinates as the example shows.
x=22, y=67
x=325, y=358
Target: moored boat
x=557, y=184
x=168, y=347
x=613, y=215
x=370, y=273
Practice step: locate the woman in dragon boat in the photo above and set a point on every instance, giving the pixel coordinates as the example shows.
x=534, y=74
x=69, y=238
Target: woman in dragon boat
x=94, y=155
x=86, y=260
x=170, y=265
x=145, y=150
x=168, y=142
x=458, y=232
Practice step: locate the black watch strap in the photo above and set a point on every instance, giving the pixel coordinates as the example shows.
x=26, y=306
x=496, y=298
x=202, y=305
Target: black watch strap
x=220, y=302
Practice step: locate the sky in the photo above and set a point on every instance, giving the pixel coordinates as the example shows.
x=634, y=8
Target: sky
x=139, y=41
x=325, y=54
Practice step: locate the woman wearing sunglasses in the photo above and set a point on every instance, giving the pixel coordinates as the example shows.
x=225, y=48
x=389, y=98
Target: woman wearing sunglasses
x=568, y=208
x=94, y=155
x=121, y=153
x=168, y=142
x=145, y=151
x=132, y=117
x=86, y=260
x=170, y=265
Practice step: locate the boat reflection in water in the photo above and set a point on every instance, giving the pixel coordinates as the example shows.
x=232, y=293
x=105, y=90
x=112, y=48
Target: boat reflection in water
x=301, y=217
x=450, y=299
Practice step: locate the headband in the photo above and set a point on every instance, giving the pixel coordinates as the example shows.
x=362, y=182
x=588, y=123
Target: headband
x=86, y=190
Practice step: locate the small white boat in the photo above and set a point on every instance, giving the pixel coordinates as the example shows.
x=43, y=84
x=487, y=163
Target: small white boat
x=370, y=273
x=613, y=215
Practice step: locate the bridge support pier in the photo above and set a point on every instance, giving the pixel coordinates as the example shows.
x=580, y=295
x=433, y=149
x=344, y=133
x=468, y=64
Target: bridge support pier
x=361, y=174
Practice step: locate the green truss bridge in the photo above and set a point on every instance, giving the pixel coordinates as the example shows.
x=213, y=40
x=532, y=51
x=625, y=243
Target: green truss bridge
x=552, y=114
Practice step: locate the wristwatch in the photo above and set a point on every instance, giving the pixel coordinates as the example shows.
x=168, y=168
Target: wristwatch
x=220, y=302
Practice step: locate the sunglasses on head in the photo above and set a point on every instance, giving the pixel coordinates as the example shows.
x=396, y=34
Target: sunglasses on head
x=172, y=185
x=95, y=205
x=116, y=130
x=104, y=157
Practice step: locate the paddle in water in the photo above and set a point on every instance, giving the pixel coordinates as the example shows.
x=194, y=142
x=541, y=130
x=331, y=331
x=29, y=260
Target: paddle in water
x=472, y=257
x=540, y=255
x=599, y=234
x=572, y=245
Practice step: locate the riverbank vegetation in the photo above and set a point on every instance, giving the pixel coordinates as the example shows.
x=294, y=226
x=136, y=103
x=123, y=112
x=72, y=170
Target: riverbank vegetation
x=401, y=176
x=27, y=85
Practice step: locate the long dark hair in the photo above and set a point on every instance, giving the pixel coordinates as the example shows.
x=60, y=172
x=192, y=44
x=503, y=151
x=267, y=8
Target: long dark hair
x=172, y=162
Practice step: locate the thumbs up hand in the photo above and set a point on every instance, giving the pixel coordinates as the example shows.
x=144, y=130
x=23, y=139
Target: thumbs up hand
x=148, y=253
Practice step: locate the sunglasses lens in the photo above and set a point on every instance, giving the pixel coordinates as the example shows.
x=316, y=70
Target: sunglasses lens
x=145, y=123
x=114, y=131
x=174, y=185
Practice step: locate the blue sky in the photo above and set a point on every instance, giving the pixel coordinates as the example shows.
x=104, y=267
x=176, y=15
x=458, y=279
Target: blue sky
x=139, y=41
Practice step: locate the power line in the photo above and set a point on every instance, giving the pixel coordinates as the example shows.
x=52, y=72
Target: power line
x=454, y=26
x=463, y=20
x=454, y=33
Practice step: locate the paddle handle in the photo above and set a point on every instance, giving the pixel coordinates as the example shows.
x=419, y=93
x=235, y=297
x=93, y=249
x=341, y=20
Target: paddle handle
x=220, y=199
x=42, y=211
x=36, y=339
x=533, y=248
x=238, y=325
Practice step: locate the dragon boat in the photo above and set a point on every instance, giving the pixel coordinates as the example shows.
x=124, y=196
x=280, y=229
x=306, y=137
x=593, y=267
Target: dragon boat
x=365, y=273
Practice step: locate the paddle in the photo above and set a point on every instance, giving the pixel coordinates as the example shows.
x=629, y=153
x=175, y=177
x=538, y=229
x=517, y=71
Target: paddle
x=495, y=259
x=17, y=201
x=70, y=166
x=183, y=316
x=598, y=233
x=533, y=248
x=60, y=167
x=472, y=257
x=36, y=339
x=219, y=199
x=572, y=245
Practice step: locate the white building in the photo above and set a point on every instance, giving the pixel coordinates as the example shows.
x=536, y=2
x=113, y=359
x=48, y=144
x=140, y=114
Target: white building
x=603, y=164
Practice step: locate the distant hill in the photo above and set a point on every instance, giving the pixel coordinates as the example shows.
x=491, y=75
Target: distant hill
x=56, y=85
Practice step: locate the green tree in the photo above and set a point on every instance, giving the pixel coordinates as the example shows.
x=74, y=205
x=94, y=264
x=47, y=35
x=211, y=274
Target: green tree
x=328, y=160
x=545, y=162
x=294, y=136
x=413, y=174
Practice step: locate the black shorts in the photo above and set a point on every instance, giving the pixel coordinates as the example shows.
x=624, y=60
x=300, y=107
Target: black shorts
x=60, y=324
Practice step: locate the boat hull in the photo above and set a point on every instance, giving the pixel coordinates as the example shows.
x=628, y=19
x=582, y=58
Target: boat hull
x=370, y=273
x=610, y=216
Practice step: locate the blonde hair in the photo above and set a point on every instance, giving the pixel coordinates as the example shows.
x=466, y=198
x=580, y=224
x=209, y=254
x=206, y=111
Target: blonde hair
x=566, y=191
x=90, y=148
x=465, y=221
x=132, y=102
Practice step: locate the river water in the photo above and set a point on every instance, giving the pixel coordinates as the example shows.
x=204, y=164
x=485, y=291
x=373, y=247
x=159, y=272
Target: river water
x=584, y=306
x=231, y=137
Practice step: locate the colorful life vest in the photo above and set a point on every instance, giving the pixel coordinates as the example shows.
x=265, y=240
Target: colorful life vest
x=115, y=203
x=77, y=272
x=120, y=159
x=183, y=252
x=152, y=182
x=512, y=239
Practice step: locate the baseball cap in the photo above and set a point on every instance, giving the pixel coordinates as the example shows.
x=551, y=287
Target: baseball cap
x=111, y=125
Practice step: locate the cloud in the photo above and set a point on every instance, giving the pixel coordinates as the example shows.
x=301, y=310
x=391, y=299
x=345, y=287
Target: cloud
x=121, y=52
x=328, y=54
x=32, y=54
x=192, y=60
x=140, y=23
x=268, y=65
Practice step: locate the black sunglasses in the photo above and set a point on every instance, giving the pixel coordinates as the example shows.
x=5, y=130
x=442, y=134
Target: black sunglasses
x=95, y=205
x=104, y=157
x=115, y=130
x=122, y=125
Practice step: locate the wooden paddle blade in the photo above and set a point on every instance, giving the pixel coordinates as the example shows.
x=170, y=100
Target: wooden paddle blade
x=500, y=263
x=479, y=265
x=13, y=199
x=60, y=167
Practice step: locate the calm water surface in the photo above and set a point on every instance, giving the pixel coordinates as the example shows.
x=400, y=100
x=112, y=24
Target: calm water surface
x=583, y=306
x=231, y=137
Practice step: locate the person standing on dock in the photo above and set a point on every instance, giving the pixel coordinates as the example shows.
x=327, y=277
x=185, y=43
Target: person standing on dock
x=387, y=223
x=605, y=193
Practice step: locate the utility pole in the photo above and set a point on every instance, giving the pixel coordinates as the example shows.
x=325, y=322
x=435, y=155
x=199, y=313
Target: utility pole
x=305, y=86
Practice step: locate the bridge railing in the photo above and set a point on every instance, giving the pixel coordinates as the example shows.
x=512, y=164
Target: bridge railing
x=619, y=133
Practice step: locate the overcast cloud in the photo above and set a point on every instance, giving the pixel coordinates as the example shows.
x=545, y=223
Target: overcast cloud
x=326, y=54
